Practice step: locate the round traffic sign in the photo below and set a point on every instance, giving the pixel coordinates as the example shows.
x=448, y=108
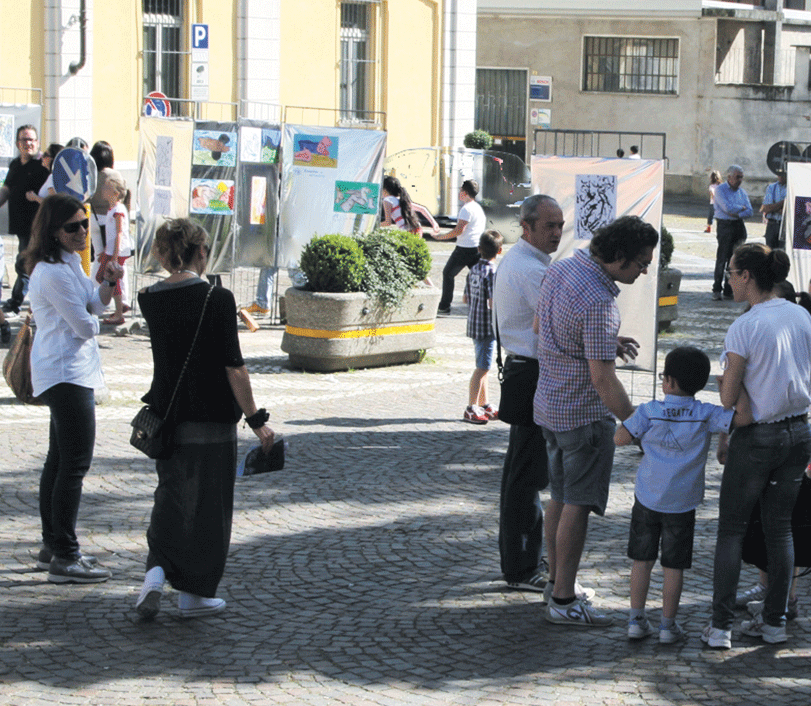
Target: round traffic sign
x=75, y=173
x=157, y=105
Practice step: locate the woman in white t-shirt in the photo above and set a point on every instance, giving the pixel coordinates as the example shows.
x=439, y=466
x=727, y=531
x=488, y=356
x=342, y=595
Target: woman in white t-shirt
x=767, y=350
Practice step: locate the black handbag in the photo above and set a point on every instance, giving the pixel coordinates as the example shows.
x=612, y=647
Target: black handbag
x=518, y=377
x=151, y=434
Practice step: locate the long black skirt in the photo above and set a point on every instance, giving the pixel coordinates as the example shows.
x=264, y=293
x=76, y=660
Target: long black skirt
x=190, y=529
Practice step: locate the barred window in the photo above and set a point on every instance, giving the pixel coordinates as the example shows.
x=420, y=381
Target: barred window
x=631, y=65
x=357, y=60
x=163, y=47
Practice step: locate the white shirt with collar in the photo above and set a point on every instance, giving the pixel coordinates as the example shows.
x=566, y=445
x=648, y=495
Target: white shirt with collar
x=515, y=297
x=66, y=306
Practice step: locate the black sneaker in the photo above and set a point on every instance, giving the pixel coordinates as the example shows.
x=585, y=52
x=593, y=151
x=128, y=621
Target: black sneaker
x=445, y=311
x=5, y=332
x=76, y=571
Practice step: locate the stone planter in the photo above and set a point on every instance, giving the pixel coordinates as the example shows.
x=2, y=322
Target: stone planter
x=668, y=310
x=327, y=332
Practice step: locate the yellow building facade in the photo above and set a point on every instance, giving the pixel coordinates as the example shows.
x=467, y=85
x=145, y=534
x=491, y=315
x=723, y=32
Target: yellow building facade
x=406, y=66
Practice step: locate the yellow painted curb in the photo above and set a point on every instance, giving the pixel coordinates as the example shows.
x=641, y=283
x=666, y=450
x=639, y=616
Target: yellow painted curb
x=668, y=301
x=359, y=333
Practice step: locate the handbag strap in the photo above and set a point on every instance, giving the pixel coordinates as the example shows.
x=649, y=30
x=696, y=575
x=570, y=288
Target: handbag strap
x=188, y=357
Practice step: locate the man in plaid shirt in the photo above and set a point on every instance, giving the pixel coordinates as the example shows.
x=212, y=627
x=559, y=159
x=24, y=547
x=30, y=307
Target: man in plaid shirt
x=578, y=392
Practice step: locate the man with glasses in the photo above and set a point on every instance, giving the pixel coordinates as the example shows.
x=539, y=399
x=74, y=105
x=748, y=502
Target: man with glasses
x=25, y=173
x=579, y=394
x=731, y=207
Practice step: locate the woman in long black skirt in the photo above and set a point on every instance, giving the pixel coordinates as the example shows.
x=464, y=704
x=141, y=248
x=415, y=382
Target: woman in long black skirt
x=190, y=528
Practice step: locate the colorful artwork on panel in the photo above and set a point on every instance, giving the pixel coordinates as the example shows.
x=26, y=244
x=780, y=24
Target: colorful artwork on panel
x=214, y=196
x=214, y=149
x=356, y=197
x=315, y=151
x=802, y=223
x=259, y=189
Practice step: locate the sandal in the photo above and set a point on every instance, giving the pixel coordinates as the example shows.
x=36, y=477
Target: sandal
x=113, y=322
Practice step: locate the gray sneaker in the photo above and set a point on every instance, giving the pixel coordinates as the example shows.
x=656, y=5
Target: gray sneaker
x=756, y=593
x=757, y=628
x=45, y=555
x=76, y=571
x=578, y=613
x=792, y=608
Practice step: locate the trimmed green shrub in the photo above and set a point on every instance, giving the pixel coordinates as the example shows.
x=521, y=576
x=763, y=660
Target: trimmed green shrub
x=333, y=263
x=387, y=277
x=666, y=246
x=414, y=251
x=478, y=140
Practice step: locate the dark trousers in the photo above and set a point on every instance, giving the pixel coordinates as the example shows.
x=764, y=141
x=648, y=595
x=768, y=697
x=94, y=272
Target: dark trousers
x=729, y=235
x=526, y=473
x=459, y=259
x=70, y=452
x=773, y=234
x=20, y=288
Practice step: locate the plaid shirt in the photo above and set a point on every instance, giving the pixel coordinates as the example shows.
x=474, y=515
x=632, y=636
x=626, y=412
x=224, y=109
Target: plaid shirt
x=579, y=321
x=478, y=293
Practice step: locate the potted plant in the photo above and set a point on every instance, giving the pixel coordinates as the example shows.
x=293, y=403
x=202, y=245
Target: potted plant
x=365, y=303
x=669, y=282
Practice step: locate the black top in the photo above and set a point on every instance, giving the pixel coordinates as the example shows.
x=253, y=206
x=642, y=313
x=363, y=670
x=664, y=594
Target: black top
x=172, y=312
x=20, y=179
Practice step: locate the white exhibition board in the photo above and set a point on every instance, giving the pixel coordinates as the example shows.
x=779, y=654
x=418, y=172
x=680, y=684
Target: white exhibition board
x=331, y=179
x=797, y=220
x=593, y=191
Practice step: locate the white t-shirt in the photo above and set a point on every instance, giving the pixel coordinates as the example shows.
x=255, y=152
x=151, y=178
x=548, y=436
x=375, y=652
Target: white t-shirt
x=125, y=247
x=774, y=338
x=476, y=222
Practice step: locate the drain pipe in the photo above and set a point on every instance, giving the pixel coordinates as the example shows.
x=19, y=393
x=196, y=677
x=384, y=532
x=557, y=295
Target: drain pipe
x=75, y=66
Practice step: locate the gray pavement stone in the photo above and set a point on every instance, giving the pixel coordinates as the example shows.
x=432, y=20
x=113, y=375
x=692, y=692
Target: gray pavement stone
x=367, y=571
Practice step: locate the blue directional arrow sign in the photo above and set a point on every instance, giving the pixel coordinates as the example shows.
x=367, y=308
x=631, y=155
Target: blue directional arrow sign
x=75, y=173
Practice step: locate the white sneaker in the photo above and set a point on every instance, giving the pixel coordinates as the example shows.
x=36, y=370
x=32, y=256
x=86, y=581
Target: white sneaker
x=757, y=628
x=715, y=637
x=639, y=628
x=756, y=593
x=670, y=634
x=581, y=593
x=578, y=613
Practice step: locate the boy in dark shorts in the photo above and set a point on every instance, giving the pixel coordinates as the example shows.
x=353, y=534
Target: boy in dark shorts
x=675, y=436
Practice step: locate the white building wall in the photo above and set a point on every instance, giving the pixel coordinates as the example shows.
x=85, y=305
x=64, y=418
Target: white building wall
x=68, y=99
x=259, y=58
x=458, y=71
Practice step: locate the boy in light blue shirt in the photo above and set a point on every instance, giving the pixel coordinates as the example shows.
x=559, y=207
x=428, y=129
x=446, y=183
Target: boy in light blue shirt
x=675, y=436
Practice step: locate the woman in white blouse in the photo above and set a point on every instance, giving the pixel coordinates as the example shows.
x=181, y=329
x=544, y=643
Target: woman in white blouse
x=65, y=370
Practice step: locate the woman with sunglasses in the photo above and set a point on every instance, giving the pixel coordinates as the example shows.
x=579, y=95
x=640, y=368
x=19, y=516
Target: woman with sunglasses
x=65, y=370
x=190, y=527
x=767, y=351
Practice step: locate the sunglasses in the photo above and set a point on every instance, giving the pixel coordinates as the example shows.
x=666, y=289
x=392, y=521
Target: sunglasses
x=74, y=227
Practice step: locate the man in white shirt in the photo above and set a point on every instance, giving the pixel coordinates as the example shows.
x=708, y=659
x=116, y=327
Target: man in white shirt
x=515, y=298
x=469, y=226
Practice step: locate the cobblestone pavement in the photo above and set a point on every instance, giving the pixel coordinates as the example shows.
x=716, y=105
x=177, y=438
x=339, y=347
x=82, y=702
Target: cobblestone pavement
x=367, y=571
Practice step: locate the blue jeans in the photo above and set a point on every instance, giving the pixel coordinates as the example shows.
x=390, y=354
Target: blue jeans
x=70, y=452
x=766, y=462
x=264, y=287
x=459, y=259
x=520, y=534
